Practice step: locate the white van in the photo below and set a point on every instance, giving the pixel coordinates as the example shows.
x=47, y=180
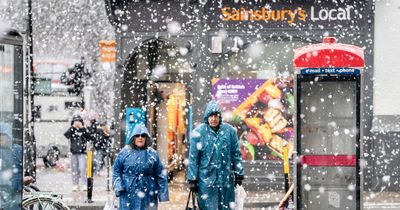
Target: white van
x=54, y=109
x=52, y=120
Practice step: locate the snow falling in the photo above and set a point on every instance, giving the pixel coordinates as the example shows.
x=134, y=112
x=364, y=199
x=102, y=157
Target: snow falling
x=312, y=112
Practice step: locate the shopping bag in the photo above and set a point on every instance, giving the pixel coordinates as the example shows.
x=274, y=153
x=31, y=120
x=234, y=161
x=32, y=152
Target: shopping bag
x=240, y=195
x=111, y=205
x=192, y=197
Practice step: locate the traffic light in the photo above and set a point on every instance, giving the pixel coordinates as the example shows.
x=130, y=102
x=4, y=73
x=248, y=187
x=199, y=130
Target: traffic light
x=76, y=80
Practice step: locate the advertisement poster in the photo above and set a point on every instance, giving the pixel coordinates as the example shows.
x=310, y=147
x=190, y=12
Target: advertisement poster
x=133, y=116
x=262, y=111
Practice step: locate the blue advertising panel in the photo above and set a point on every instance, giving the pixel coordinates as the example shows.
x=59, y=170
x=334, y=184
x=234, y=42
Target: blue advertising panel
x=133, y=116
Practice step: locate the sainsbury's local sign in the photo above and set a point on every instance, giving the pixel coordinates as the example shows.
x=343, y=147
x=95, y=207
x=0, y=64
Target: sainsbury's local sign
x=288, y=15
x=284, y=14
x=332, y=14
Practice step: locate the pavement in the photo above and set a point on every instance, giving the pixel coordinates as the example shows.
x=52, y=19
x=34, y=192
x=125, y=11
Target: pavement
x=58, y=180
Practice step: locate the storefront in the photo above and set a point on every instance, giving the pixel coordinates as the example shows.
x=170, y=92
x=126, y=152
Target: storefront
x=11, y=115
x=227, y=50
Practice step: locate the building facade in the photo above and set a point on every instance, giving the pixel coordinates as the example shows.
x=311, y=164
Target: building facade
x=171, y=54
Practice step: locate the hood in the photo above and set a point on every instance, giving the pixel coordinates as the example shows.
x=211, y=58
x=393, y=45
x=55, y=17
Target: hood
x=6, y=129
x=141, y=129
x=212, y=107
x=76, y=118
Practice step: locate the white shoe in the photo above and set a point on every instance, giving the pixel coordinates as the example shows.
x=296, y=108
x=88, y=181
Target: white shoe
x=84, y=188
x=75, y=188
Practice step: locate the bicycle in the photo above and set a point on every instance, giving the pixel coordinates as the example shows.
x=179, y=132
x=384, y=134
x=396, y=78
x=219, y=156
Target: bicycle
x=40, y=201
x=34, y=199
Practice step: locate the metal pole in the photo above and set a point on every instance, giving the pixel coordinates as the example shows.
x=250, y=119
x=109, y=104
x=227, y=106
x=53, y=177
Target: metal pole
x=31, y=147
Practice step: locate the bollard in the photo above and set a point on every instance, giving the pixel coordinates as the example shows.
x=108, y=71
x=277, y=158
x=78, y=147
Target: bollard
x=286, y=166
x=108, y=171
x=89, y=175
x=286, y=170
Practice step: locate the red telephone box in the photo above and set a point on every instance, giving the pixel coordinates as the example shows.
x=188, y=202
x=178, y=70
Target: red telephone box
x=328, y=82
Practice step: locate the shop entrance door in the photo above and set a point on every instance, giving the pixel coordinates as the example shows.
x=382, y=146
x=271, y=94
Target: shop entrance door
x=168, y=123
x=160, y=74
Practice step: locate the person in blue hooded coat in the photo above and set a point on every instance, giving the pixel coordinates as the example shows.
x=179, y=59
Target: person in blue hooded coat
x=215, y=161
x=139, y=178
x=10, y=168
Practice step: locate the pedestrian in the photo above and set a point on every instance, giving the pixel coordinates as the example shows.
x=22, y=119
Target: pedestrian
x=93, y=130
x=102, y=146
x=10, y=169
x=78, y=136
x=139, y=178
x=215, y=161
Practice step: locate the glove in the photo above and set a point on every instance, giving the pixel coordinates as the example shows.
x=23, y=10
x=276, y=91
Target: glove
x=118, y=193
x=238, y=180
x=193, y=186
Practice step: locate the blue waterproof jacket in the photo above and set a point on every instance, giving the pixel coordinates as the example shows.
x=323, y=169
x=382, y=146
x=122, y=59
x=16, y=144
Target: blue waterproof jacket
x=214, y=158
x=139, y=178
x=11, y=168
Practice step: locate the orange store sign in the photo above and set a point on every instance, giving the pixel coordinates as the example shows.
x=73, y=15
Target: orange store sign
x=286, y=15
x=262, y=14
x=107, y=51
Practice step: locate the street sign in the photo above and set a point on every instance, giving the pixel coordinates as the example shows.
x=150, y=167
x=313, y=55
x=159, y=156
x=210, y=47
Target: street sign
x=107, y=51
x=42, y=86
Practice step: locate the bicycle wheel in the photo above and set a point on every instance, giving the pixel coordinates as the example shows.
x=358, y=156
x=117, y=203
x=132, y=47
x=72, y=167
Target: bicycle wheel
x=43, y=203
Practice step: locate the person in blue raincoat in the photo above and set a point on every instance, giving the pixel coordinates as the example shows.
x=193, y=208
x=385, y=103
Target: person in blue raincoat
x=10, y=169
x=215, y=162
x=139, y=178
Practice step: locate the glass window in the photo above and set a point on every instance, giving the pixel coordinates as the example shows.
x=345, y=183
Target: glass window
x=254, y=87
x=328, y=117
x=50, y=70
x=259, y=60
x=10, y=126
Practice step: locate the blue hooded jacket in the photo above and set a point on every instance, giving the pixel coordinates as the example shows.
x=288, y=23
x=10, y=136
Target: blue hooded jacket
x=11, y=167
x=139, y=178
x=214, y=158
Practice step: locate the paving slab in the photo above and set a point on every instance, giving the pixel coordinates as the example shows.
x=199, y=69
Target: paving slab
x=58, y=180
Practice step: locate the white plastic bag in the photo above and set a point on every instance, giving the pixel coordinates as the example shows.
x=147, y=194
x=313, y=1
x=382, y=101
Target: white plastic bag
x=111, y=205
x=240, y=195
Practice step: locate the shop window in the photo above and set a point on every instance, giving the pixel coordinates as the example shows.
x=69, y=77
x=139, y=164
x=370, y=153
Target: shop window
x=254, y=87
x=258, y=60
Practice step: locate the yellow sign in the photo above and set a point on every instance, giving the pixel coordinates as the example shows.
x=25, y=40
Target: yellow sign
x=107, y=51
x=263, y=13
x=288, y=15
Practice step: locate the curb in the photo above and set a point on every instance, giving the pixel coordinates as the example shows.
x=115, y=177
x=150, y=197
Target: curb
x=261, y=204
x=92, y=206
x=100, y=206
x=371, y=206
